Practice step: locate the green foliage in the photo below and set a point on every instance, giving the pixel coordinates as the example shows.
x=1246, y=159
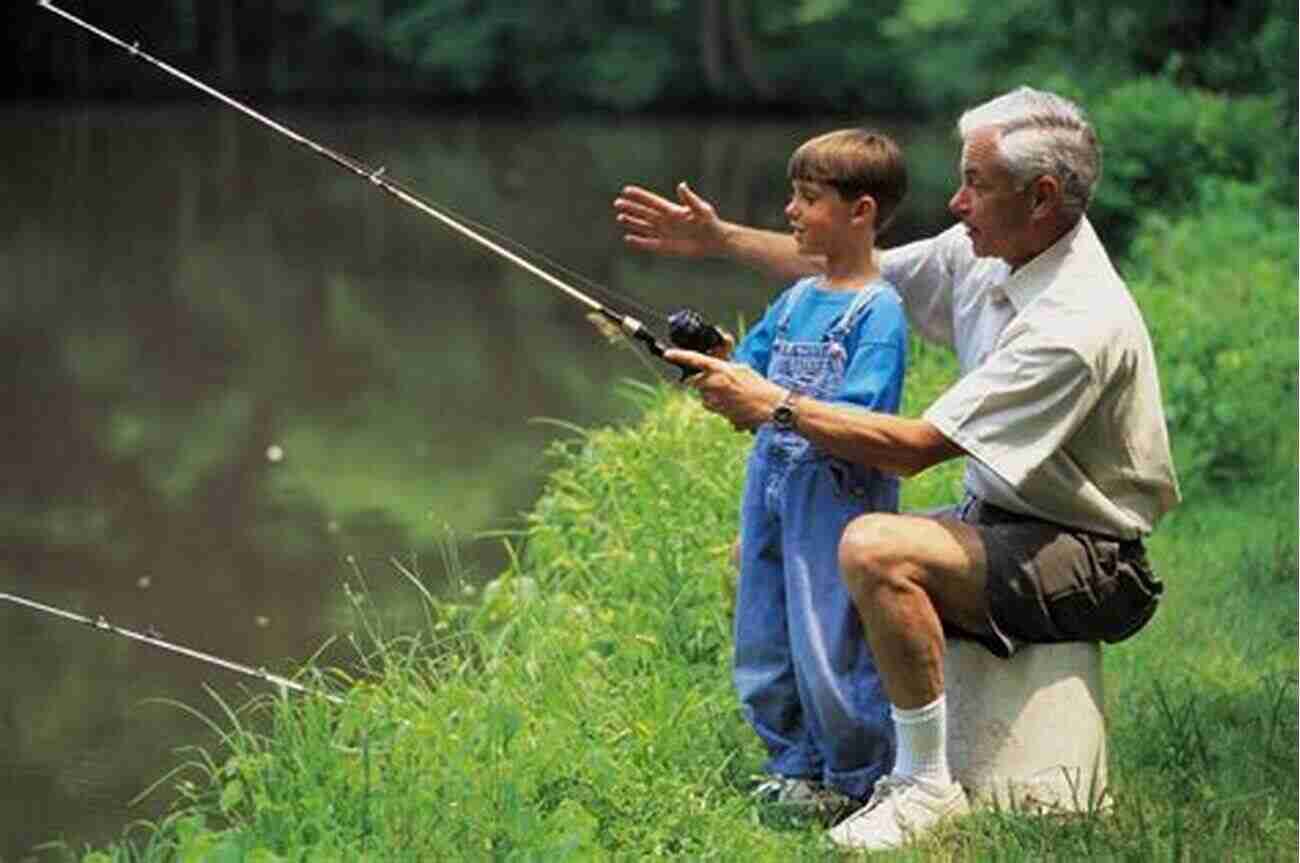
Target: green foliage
x=1162, y=140
x=566, y=54
x=608, y=505
x=960, y=53
x=930, y=371
x=813, y=66
x=1218, y=290
x=902, y=57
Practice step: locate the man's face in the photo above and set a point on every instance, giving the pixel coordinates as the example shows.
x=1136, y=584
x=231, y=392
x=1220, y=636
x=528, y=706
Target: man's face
x=993, y=208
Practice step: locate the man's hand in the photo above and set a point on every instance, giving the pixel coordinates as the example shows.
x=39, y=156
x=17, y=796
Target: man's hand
x=653, y=223
x=732, y=390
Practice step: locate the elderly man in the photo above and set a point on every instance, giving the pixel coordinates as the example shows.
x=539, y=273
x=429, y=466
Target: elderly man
x=1057, y=408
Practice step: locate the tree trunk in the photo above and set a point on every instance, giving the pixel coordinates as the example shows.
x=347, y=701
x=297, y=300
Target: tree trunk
x=712, y=46
x=227, y=47
x=742, y=45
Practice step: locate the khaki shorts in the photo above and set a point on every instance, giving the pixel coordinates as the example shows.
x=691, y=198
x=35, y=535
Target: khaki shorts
x=1050, y=583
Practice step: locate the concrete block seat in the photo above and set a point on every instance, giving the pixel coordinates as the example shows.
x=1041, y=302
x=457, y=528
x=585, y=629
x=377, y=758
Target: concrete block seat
x=1028, y=733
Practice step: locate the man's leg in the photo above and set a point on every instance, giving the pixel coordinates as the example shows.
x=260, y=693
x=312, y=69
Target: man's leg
x=906, y=574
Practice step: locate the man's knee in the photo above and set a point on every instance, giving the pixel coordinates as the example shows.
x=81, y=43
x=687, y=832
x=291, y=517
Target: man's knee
x=871, y=553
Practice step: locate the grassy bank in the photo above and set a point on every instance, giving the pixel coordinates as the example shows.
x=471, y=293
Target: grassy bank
x=582, y=709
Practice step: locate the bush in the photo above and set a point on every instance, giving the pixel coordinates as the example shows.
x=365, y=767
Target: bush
x=1219, y=293
x=1160, y=141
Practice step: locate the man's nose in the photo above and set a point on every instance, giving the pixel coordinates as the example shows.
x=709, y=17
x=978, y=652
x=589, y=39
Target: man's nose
x=957, y=203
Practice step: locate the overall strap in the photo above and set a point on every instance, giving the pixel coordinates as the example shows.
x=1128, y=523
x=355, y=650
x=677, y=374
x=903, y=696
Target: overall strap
x=796, y=296
x=860, y=300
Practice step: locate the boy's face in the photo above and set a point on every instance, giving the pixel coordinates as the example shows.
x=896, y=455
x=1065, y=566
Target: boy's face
x=819, y=218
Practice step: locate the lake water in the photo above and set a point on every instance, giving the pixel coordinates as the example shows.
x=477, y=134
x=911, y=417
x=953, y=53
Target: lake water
x=238, y=376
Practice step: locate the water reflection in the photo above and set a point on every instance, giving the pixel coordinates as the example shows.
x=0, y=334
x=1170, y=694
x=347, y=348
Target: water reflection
x=232, y=365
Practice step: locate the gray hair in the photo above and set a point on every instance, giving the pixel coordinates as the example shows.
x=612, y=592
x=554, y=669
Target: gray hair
x=1042, y=133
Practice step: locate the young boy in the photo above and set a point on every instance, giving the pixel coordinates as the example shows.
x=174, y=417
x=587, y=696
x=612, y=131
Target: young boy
x=803, y=670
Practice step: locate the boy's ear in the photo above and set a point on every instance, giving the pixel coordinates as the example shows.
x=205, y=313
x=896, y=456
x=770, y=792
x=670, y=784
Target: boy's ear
x=865, y=208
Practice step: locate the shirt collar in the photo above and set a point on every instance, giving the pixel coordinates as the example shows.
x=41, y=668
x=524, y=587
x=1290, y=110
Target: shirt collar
x=1025, y=285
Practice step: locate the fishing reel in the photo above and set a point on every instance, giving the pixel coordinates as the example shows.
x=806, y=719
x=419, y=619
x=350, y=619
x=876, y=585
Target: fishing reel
x=688, y=330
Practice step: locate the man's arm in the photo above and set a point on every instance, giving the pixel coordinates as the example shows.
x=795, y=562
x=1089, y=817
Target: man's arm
x=692, y=229
x=893, y=444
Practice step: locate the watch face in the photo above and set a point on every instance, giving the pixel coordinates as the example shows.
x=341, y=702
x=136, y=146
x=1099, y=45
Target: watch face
x=783, y=417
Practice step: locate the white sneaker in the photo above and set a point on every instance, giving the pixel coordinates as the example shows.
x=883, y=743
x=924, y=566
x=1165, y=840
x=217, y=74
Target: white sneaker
x=900, y=810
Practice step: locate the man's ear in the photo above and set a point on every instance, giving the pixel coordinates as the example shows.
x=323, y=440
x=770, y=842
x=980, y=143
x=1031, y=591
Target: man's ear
x=1045, y=195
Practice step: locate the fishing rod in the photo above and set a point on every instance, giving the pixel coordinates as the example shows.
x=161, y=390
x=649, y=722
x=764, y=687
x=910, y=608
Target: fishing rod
x=687, y=329
x=101, y=624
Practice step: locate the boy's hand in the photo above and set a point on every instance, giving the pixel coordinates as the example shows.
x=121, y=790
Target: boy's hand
x=653, y=223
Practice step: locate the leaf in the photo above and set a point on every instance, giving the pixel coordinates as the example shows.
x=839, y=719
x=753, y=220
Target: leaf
x=232, y=795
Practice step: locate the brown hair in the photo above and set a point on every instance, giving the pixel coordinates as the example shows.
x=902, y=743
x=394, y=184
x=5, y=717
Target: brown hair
x=855, y=162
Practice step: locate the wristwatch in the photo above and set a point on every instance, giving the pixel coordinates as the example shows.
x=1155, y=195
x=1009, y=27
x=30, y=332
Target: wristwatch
x=786, y=414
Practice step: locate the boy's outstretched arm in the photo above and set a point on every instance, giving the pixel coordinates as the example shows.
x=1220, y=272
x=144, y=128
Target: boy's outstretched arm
x=691, y=228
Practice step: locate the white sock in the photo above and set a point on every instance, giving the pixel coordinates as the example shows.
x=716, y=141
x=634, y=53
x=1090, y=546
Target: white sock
x=923, y=742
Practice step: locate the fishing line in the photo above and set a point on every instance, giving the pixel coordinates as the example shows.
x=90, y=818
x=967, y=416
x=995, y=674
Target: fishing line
x=101, y=624
x=687, y=329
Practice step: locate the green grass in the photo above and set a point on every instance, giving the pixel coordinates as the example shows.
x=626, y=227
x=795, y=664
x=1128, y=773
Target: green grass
x=582, y=709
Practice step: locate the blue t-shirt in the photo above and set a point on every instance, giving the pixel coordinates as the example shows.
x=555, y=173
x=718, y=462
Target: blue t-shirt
x=876, y=344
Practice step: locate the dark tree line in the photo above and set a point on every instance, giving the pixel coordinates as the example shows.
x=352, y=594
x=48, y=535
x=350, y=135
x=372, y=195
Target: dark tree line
x=889, y=56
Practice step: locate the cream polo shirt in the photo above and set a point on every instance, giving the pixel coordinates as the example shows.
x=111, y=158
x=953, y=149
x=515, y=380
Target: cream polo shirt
x=1058, y=403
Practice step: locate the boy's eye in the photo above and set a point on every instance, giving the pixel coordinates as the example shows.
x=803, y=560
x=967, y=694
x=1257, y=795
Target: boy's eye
x=806, y=194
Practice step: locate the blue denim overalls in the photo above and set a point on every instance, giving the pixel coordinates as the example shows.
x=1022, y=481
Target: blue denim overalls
x=803, y=670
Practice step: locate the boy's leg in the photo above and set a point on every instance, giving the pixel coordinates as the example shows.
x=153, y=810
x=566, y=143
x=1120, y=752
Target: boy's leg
x=842, y=693
x=762, y=669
